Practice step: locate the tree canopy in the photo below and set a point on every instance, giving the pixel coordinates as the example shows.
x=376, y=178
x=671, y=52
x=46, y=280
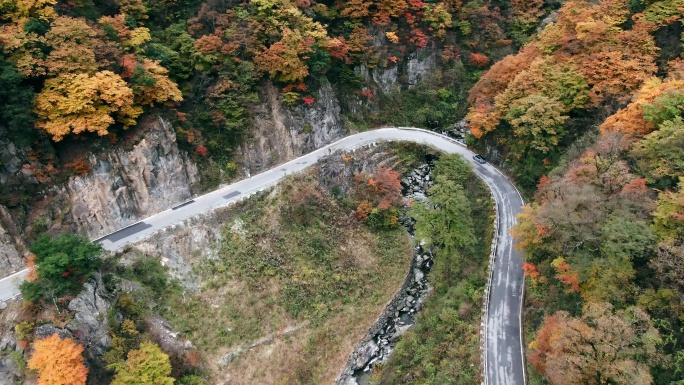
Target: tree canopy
x=602, y=346
x=147, y=365
x=58, y=361
x=64, y=262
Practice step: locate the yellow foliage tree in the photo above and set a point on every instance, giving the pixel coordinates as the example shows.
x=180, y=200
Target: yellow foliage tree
x=145, y=366
x=72, y=41
x=529, y=233
x=438, y=17
x=77, y=103
x=58, y=361
x=131, y=39
x=23, y=48
x=137, y=37
x=392, y=36
x=135, y=8
x=21, y=10
x=161, y=88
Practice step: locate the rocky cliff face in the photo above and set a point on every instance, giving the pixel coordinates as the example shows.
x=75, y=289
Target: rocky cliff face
x=88, y=325
x=283, y=132
x=126, y=186
x=407, y=73
x=180, y=246
x=12, y=247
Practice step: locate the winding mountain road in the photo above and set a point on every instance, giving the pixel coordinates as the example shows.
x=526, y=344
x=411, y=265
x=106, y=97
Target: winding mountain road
x=503, y=353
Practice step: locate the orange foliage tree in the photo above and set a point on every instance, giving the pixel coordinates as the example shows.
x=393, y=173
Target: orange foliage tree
x=285, y=60
x=478, y=59
x=58, y=361
x=387, y=184
x=378, y=195
x=585, y=50
x=602, y=347
x=483, y=117
x=355, y=9
x=630, y=120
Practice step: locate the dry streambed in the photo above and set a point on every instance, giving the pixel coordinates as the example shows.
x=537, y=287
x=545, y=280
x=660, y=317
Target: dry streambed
x=399, y=315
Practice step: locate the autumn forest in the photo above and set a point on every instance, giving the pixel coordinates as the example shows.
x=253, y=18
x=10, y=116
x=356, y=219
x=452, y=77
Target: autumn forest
x=579, y=102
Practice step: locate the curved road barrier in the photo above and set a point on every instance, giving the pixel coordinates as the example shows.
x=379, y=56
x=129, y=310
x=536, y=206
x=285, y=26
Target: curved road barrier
x=503, y=358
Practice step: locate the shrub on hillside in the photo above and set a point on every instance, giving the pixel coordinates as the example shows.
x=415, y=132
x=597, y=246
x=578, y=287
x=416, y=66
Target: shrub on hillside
x=64, y=263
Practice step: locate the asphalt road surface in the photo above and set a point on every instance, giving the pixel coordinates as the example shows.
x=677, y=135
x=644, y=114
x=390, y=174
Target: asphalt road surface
x=503, y=357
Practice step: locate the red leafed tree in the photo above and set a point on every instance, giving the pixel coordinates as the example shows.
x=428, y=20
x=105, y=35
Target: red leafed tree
x=208, y=44
x=388, y=184
x=530, y=270
x=566, y=274
x=419, y=38
x=416, y=4
x=128, y=63
x=339, y=49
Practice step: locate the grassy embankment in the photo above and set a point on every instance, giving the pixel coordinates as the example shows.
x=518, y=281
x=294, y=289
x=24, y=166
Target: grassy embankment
x=291, y=259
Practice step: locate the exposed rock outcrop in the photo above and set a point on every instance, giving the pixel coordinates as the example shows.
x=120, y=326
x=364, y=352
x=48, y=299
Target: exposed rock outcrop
x=282, y=133
x=407, y=73
x=90, y=324
x=126, y=186
x=194, y=239
x=89, y=327
x=399, y=314
x=10, y=373
x=12, y=247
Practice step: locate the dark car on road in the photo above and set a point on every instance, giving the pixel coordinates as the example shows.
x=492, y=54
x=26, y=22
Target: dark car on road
x=479, y=159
